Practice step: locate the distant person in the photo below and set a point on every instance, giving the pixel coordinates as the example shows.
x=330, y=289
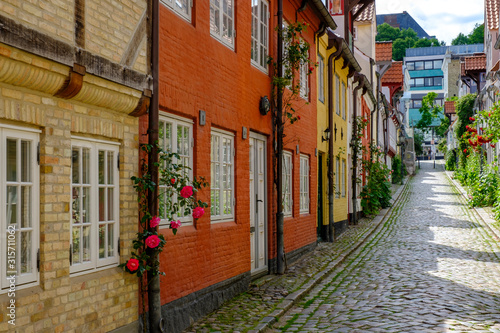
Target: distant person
x=429, y=153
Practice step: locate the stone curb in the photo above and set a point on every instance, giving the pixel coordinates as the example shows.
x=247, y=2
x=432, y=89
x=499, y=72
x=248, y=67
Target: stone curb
x=296, y=296
x=483, y=215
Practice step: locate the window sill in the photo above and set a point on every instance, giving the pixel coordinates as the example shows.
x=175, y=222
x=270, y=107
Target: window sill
x=86, y=274
x=259, y=68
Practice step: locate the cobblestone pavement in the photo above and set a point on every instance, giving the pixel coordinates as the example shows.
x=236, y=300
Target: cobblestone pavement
x=432, y=267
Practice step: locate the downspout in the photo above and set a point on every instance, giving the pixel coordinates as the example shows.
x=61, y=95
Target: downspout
x=377, y=107
x=280, y=255
x=360, y=80
x=154, y=300
x=331, y=189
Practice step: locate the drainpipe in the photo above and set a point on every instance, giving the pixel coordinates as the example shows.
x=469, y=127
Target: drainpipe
x=360, y=80
x=280, y=255
x=338, y=45
x=154, y=301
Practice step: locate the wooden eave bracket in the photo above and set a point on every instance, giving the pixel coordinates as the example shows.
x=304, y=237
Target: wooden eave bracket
x=73, y=83
x=143, y=104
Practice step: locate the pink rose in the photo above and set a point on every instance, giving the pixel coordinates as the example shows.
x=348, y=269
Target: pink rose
x=198, y=212
x=155, y=221
x=132, y=264
x=175, y=224
x=187, y=191
x=152, y=241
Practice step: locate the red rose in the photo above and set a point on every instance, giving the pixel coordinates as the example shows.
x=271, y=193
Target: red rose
x=472, y=119
x=198, y=212
x=298, y=117
x=492, y=145
x=172, y=181
x=465, y=150
x=187, y=191
x=311, y=69
x=152, y=241
x=132, y=264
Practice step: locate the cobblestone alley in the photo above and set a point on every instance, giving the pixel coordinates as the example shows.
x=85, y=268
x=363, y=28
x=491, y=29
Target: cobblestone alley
x=432, y=267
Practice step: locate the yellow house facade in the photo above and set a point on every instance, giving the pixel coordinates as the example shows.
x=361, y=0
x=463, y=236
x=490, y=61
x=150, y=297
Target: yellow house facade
x=333, y=100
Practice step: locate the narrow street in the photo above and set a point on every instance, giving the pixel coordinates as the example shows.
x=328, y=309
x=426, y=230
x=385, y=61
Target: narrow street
x=432, y=267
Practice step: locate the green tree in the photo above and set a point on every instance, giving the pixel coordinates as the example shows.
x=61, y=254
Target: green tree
x=476, y=36
x=387, y=33
x=418, y=140
x=429, y=111
x=461, y=39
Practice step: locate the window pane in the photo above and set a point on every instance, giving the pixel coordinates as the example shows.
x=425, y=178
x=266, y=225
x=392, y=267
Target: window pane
x=85, y=166
x=428, y=65
x=25, y=252
x=419, y=65
x=438, y=64
x=110, y=167
x=102, y=239
x=86, y=243
x=75, y=165
x=12, y=204
x=25, y=207
x=110, y=240
x=101, y=167
x=102, y=202
x=410, y=66
x=428, y=81
x=11, y=160
x=419, y=82
x=25, y=161
x=75, y=206
x=76, y=245
x=438, y=81
x=110, y=204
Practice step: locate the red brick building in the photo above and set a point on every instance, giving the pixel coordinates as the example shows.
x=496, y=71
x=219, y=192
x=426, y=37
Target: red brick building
x=213, y=76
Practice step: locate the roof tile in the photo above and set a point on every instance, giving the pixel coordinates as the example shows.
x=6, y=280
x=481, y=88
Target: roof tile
x=449, y=107
x=394, y=74
x=475, y=63
x=367, y=14
x=383, y=51
x=492, y=11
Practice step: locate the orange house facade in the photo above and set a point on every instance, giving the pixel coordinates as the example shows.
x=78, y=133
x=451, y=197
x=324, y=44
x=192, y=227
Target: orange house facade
x=214, y=83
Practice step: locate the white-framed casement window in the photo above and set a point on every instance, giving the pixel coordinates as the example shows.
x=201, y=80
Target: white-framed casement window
x=287, y=183
x=222, y=21
x=337, y=94
x=260, y=34
x=19, y=206
x=337, y=177
x=175, y=135
x=304, y=184
x=181, y=7
x=304, y=78
x=343, y=181
x=344, y=99
x=94, y=204
x=222, y=176
x=321, y=79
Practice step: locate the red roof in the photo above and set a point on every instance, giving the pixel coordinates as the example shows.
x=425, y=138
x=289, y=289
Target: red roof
x=492, y=8
x=367, y=14
x=394, y=74
x=449, y=107
x=475, y=63
x=383, y=51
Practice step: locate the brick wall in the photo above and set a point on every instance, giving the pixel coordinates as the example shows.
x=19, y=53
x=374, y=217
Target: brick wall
x=197, y=72
x=60, y=302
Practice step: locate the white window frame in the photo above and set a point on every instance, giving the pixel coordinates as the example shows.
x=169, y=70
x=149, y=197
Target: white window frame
x=344, y=100
x=260, y=34
x=217, y=165
x=304, y=184
x=218, y=11
x=174, y=6
x=337, y=94
x=172, y=145
x=22, y=280
x=286, y=185
x=337, y=177
x=321, y=79
x=95, y=146
x=343, y=184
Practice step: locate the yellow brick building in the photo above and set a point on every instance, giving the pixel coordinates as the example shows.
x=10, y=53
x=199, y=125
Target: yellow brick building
x=72, y=81
x=336, y=103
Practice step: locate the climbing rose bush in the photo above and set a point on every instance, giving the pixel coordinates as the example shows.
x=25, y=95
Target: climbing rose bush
x=180, y=192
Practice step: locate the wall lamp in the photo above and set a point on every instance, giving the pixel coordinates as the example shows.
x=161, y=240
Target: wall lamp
x=327, y=135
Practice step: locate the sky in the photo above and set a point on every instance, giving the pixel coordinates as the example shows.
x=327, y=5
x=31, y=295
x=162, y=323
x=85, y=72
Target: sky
x=443, y=18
